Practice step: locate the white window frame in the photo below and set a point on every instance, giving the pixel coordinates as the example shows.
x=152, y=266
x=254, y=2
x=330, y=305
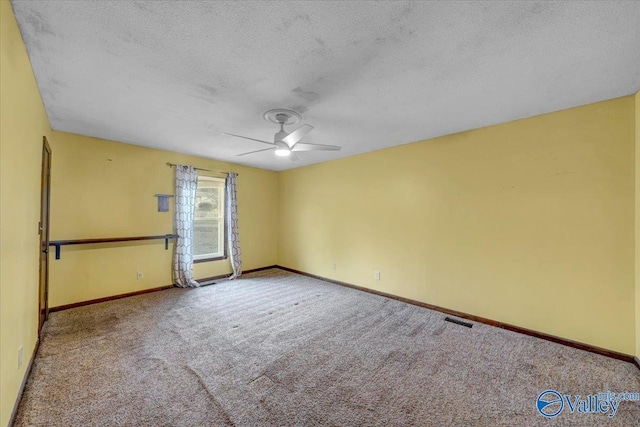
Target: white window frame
x=222, y=253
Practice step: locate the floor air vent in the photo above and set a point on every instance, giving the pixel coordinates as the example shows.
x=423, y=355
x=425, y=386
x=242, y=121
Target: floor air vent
x=458, y=322
x=207, y=284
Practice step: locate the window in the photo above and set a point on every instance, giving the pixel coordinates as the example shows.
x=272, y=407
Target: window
x=209, y=237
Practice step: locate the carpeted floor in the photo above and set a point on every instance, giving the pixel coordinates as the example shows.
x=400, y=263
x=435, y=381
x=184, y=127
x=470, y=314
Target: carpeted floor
x=280, y=349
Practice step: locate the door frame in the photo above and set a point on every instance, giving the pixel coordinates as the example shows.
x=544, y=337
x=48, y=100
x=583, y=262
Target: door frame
x=43, y=225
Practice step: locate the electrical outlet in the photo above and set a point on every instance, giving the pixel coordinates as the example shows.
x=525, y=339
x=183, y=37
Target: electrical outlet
x=376, y=275
x=20, y=357
x=334, y=266
x=140, y=275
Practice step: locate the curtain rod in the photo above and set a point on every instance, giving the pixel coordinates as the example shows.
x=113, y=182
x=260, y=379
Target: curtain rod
x=201, y=169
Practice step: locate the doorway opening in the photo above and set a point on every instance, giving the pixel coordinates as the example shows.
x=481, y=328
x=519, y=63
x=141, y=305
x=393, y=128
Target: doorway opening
x=43, y=230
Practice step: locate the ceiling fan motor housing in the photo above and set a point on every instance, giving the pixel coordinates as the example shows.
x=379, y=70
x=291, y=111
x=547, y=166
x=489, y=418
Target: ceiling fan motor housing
x=279, y=136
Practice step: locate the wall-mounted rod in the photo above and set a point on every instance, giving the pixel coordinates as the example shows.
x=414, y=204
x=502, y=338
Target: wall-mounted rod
x=201, y=169
x=58, y=243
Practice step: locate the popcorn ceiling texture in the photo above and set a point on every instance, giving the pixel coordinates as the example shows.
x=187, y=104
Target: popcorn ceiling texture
x=174, y=75
x=280, y=349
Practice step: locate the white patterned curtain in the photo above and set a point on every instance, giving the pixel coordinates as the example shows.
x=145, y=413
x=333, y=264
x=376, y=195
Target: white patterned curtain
x=231, y=216
x=186, y=185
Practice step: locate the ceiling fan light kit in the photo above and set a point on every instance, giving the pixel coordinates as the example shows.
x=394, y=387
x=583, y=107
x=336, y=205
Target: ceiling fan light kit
x=282, y=152
x=284, y=143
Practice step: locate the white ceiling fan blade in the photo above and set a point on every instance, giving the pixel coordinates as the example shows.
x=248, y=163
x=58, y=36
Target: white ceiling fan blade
x=297, y=135
x=246, y=137
x=301, y=146
x=251, y=152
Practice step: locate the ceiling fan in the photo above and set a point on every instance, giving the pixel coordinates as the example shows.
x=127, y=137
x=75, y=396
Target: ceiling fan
x=285, y=143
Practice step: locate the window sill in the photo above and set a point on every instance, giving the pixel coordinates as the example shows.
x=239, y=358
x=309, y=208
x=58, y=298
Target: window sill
x=219, y=258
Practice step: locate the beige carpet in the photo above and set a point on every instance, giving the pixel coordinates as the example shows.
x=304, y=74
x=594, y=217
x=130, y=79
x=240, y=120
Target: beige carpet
x=279, y=349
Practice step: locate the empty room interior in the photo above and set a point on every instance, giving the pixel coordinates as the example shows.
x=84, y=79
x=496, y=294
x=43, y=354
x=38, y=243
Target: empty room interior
x=320, y=213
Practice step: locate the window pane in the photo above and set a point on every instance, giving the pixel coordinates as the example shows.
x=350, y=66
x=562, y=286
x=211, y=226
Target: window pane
x=205, y=236
x=209, y=218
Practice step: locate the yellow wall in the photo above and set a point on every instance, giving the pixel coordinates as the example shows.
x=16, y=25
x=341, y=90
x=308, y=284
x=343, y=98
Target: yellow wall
x=106, y=189
x=23, y=122
x=530, y=223
x=637, y=97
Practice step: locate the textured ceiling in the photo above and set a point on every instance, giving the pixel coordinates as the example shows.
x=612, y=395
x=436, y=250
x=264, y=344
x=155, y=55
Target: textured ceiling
x=367, y=75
